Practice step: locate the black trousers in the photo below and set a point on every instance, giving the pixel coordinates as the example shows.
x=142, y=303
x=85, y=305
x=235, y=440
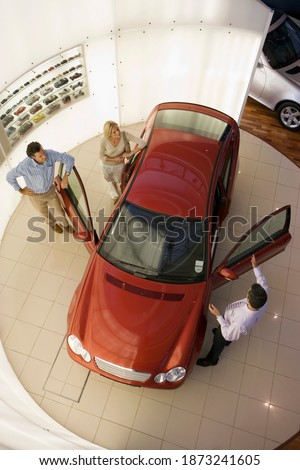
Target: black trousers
x=218, y=345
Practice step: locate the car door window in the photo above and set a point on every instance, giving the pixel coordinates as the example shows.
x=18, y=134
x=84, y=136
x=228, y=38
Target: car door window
x=266, y=232
x=265, y=239
x=225, y=173
x=76, y=195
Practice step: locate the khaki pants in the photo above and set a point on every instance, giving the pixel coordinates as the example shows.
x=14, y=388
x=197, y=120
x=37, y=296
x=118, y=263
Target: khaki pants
x=48, y=205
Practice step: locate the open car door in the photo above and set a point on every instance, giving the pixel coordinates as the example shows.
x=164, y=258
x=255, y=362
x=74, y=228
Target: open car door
x=265, y=239
x=74, y=200
x=129, y=169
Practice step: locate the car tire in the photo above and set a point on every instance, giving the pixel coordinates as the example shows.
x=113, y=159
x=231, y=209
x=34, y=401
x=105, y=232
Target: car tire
x=289, y=115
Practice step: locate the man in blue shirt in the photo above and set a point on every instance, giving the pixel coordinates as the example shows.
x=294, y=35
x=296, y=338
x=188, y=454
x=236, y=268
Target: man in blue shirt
x=38, y=173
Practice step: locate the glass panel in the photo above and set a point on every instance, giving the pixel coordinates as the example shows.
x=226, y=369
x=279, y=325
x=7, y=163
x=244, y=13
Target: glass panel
x=192, y=122
x=156, y=246
x=265, y=233
x=226, y=169
x=282, y=45
x=77, y=197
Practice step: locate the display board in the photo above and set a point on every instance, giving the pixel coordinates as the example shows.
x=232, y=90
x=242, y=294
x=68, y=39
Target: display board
x=41, y=92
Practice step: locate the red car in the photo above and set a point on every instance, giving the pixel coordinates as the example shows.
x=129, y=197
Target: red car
x=138, y=314
x=19, y=111
x=35, y=108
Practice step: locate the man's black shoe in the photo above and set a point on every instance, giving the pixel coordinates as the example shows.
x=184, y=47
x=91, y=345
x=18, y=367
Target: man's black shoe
x=205, y=363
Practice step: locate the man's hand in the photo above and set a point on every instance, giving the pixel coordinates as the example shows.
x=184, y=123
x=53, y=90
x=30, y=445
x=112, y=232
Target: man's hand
x=64, y=181
x=56, y=182
x=127, y=155
x=253, y=261
x=26, y=191
x=214, y=310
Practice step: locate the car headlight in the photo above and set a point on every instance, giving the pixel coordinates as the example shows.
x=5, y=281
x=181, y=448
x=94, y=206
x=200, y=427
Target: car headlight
x=77, y=348
x=173, y=375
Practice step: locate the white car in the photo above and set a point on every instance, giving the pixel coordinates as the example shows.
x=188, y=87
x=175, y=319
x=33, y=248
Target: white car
x=276, y=83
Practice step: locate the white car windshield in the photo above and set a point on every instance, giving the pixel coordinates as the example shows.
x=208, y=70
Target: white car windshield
x=155, y=246
x=282, y=45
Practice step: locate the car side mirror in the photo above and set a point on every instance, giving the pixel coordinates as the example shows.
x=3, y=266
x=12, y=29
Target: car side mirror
x=228, y=274
x=82, y=236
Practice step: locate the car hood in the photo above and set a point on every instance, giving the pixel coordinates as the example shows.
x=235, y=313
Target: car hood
x=132, y=322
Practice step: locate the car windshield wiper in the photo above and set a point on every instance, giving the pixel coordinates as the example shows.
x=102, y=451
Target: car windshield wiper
x=146, y=273
x=139, y=271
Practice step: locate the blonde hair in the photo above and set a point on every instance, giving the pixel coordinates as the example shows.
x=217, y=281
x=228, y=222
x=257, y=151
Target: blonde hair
x=108, y=127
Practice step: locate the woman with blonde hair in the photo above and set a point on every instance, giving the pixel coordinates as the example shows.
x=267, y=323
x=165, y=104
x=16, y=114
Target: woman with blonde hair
x=114, y=148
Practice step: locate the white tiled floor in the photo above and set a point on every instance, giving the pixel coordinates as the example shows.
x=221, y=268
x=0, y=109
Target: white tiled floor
x=251, y=400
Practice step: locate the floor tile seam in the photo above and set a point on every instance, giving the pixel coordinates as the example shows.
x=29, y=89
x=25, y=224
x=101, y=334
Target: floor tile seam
x=266, y=421
x=274, y=373
x=4, y=255
x=42, y=406
x=135, y=413
x=19, y=291
x=285, y=302
x=273, y=180
x=37, y=358
x=132, y=430
x=272, y=262
x=2, y=339
x=84, y=150
x=273, y=314
x=22, y=368
x=167, y=421
x=220, y=388
x=159, y=401
x=285, y=408
x=171, y=444
x=255, y=335
x=238, y=399
x=45, y=320
x=215, y=420
x=90, y=169
x=117, y=424
x=263, y=436
x=188, y=410
x=289, y=347
x=266, y=198
x=48, y=270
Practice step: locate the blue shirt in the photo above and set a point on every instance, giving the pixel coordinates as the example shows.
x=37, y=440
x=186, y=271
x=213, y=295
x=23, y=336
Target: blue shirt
x=39, y=177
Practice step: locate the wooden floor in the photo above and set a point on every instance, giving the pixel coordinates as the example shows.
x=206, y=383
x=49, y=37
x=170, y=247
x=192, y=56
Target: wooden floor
x=263, y=123
x=292, y=444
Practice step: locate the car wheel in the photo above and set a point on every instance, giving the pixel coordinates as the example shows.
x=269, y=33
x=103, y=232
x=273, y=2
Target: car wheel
x=289, y=115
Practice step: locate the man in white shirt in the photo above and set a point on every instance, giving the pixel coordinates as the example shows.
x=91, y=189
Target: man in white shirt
x=239, y=317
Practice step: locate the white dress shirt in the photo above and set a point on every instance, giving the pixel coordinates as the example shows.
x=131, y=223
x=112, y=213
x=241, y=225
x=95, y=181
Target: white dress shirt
x=238, y=318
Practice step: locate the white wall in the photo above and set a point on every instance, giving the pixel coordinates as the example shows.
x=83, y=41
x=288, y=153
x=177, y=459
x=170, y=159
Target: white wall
x=138, y=53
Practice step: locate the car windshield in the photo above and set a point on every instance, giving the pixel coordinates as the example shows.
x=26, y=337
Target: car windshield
x=282, y=45
x=155, y=246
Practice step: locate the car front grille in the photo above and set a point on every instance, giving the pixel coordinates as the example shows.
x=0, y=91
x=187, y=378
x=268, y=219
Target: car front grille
x=121, y=372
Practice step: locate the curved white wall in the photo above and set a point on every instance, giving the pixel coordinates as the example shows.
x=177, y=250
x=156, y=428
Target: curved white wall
x=138, y=53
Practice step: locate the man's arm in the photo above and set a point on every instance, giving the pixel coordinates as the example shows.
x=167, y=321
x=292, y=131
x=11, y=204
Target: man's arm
x=231, y=332
x=11, y=178
x=260, y=278
x=68, y=160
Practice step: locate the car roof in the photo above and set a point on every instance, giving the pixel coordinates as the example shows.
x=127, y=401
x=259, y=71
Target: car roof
x=178, y=166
